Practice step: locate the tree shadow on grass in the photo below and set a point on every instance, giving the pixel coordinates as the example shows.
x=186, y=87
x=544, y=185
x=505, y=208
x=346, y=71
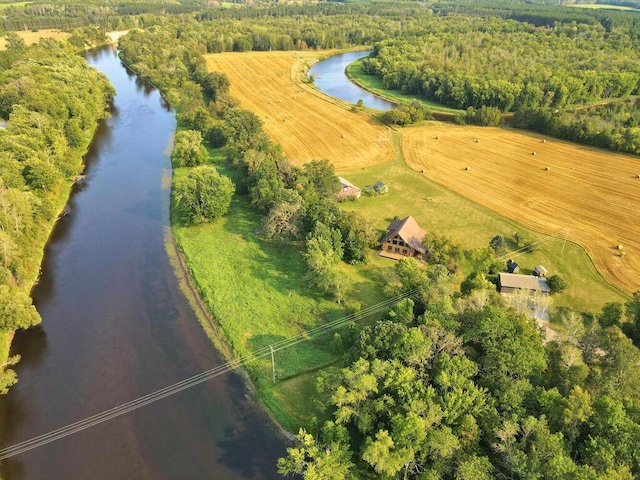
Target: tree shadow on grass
x=292, y=356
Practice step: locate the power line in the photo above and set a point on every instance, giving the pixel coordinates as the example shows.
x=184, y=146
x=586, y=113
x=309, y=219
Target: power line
x=196, y=379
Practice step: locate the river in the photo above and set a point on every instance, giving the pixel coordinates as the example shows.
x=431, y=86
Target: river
x=116, y=327
x=329, y=76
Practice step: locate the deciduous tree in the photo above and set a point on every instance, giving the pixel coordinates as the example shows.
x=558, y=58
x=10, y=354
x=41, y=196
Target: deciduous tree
x=203, y=195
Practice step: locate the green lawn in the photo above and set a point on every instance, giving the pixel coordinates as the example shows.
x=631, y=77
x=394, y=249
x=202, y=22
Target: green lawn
x=373, y=84
x=441, y=210
x=257, y=294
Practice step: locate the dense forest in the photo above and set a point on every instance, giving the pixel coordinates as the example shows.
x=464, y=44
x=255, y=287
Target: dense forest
x=50, y=104
x=468, y=388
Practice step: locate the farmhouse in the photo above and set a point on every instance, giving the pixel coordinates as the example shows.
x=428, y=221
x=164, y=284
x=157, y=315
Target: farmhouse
x=347, y=189
x=510, y=282
x=403, y=239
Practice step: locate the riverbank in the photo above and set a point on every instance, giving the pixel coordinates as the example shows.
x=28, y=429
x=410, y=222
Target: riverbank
x=25, y=244
x=373, y=85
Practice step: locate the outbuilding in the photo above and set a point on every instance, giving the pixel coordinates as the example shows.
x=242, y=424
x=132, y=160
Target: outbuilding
x=347, y=189
x=512, y=267
x=510, y=282
x=540, y=271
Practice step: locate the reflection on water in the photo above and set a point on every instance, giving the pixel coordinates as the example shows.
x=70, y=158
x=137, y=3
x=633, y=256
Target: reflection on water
x=116, y=327
x=329, y=77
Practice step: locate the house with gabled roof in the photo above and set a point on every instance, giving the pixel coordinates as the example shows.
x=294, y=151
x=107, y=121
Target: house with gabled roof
x=403, y=239
x=511, y=282
x=347, y=190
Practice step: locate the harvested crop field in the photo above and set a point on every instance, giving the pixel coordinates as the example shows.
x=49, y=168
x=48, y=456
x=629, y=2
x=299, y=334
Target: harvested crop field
x=542, y=183
x=33, y=37
x=307, y=123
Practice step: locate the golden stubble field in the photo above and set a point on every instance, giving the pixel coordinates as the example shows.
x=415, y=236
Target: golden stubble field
x=591, y=193
x=308, y=124
x=33, y=37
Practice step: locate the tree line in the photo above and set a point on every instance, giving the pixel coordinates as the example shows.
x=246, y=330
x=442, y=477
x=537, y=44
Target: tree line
x=50, y=104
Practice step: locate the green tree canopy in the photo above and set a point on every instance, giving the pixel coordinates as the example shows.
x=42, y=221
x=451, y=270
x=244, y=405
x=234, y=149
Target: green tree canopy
x=203, y=195
x=188, y=150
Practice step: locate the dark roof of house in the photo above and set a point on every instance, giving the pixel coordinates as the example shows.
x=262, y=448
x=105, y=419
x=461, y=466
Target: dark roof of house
x=409, y=231
x=512, y=266
x=523, y=282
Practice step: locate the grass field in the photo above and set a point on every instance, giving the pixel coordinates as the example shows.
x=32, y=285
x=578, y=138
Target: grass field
x=258, y=296
x=308, y=124
x=592, y=194
x=33, y=37
x=438, y=209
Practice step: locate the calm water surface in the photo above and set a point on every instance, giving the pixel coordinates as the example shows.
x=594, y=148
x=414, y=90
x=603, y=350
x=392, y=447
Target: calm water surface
x=329, y=77
x=116, y=327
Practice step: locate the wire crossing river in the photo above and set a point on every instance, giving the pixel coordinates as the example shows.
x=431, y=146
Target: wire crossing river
x=116, y=327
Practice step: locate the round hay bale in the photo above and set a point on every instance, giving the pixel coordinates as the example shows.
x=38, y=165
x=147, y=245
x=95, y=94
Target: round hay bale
x=422, y=171
x=477, y=140
x=343, y=135
x=437, y=137
x=284, y=120
x=638, y=175
x=544, y=141
x=533, y=153
x=619, y=247
x=546, y=169
x=467, y=168
x=622, y=254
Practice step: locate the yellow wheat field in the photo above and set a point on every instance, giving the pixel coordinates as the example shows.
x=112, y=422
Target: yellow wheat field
x=542, y=183
x=308, y=124
x=33, y=37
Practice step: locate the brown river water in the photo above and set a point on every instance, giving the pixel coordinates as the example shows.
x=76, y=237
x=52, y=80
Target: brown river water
x=116, y=327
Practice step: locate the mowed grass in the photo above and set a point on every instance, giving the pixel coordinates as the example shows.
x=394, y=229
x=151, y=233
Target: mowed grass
x=259, y=297
x=543, y=183
x=308, y=124
x=34, y=37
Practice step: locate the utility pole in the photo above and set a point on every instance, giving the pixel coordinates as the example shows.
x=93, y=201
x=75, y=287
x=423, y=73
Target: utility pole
x=273, y=365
